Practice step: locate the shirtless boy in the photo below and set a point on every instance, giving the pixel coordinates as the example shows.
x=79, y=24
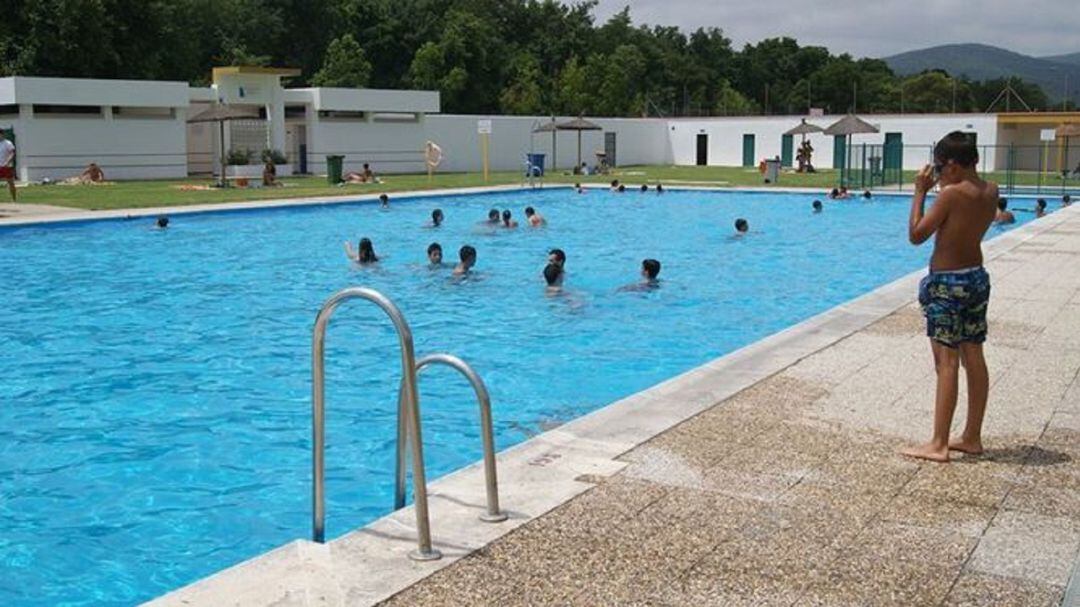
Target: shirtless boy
x=954, y=295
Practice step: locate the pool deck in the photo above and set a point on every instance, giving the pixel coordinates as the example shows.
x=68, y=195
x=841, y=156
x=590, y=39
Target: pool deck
x=768, y=476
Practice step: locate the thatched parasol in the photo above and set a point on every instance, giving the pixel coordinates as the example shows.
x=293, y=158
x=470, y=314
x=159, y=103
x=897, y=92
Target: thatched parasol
x=804, y=128
x=578, y=124
x=847, y=126
x=221, y=113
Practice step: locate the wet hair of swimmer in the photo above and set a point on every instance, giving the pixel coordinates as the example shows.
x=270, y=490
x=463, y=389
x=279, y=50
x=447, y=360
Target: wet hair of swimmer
x=644, y=187
x=622, y=188
x=366, y=252
x=431, y=248
x=614, y=183
x=437, y=216
x=1003, y=203
x=384, y=199
x=493, y=215
x=552, y=274
x=1066, y=199
x=466, y=253
x=834, y=193
x=659, y=188
x=506, y=215
x=529, y=211
x=559, y=255
x=1040, y=203
x=741, y=225
x=867, y=194
x=162, y=222
x=651, y=267
x=817, y=205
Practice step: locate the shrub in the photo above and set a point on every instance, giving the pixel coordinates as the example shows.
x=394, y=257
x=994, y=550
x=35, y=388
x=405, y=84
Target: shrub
x=274, y=156
x=238, y=156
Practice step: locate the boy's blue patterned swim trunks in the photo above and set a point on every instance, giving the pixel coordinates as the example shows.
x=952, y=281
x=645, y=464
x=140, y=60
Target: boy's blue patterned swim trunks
x=954, y=303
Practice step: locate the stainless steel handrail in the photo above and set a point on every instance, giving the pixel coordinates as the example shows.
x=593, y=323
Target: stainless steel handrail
x=409, y=404
x=493, y=514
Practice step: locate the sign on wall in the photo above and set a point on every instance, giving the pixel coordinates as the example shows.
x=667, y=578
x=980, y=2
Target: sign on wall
x=483, y=127
x=1047, y=134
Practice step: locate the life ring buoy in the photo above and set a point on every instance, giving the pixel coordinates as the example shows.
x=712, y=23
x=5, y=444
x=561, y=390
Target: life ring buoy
x=433, y=154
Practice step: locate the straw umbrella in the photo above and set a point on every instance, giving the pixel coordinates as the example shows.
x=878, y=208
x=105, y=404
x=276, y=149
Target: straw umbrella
x=221, y=113
x=847, y=126
x=578, y=124
x=550, y=127
x=804, y=128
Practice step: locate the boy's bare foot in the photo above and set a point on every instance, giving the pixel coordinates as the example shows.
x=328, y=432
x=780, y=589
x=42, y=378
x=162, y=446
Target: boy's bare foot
x=928, y=452
x=964, y=445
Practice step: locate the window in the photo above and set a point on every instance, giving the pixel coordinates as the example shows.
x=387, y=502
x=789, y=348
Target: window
x=295, y=111
x=342, y=115
x=61, y=111
x=10, y=109
x=396, y=117
x=126, y=111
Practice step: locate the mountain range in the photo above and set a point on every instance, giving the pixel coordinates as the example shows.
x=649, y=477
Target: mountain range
x=984, y=62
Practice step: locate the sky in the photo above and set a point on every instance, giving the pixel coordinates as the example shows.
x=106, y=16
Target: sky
x=875, y=28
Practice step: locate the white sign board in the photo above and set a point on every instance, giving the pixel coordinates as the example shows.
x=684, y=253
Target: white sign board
x=483, y=127
x=1046, y=135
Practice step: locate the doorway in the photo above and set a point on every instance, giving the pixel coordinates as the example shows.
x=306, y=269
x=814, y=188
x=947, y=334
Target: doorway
x=702, y=149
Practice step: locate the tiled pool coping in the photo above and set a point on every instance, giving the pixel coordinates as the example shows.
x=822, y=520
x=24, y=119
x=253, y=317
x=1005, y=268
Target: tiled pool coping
x=370, y=564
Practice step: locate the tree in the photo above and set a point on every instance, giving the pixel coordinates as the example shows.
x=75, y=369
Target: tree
x=573, y=94
x=344, y=65
x=523, y=95
x=730, y=102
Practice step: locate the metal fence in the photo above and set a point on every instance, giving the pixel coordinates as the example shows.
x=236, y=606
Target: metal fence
x=1051, y=169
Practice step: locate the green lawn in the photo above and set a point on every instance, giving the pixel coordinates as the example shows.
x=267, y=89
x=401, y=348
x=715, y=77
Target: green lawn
x=140, y=194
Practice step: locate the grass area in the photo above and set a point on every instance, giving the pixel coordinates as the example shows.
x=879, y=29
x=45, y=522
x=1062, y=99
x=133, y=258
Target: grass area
x=141, y=194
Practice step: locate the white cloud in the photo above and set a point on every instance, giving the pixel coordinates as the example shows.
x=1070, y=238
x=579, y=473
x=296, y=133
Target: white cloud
x=872, y=29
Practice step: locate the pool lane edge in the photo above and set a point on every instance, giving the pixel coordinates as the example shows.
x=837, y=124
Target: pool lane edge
x=370, y=564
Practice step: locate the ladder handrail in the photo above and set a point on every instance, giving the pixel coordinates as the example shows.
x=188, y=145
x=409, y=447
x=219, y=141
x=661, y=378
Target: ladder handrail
x=409, y=402
x=483, y=398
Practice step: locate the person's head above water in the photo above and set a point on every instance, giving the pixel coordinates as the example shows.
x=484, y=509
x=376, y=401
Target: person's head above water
x=817, y=206
x=507, y=216
x=1066, y=199
x=650, y=269
x=741, y=225
x=529, y=211
x=366, y=251
x=1003, y=204
x=467, y=255
x=434, y=253
x=867, y=194
x=437, y=217
x=557, y=256
x=659, y=188
x=622, y=188
x=493, y=216
x=834, y=193
x=162, y=222
x=614, y=183
x=384, y=199
x=553, y=274
x=644, y=187
x=1041, y=203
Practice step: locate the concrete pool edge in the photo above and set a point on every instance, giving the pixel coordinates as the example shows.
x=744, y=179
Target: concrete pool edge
x=370, y=564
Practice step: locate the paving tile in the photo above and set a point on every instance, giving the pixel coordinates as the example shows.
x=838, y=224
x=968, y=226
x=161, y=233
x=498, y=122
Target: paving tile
x=980, y=590
x=1028, y=546
x=976, y=484
x=947, y=516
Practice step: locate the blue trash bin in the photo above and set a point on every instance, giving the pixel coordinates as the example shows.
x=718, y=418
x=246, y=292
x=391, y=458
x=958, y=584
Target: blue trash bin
x=535, y=165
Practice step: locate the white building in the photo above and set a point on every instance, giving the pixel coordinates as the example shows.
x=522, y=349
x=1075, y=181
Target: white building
x=139, y=130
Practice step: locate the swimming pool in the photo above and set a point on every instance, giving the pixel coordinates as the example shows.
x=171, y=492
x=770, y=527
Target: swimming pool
x=155, y=414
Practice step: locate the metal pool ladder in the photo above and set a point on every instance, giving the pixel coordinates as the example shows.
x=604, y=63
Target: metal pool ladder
x=408, y=421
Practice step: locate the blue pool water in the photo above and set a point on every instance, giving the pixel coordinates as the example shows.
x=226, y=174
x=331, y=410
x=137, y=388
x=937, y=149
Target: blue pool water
x=155, y=402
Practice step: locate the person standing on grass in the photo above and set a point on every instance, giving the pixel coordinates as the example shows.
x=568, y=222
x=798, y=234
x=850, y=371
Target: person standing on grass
x=955, y=293
x=7, y=164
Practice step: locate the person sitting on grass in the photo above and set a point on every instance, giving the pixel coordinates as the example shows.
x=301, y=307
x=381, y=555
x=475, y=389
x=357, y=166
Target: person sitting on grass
x=92, y=174
x=364, y=254
x=467, y=255
x=535, y=219
x=1003, y=215
x=508, y=220
x=434, y=255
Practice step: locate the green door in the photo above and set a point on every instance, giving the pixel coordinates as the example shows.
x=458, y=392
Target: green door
x=839, y=152
x=893, y=160
x=786, y=144
x=748, y=150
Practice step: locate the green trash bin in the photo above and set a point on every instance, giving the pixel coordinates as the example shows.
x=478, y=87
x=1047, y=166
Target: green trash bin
x=333, y=169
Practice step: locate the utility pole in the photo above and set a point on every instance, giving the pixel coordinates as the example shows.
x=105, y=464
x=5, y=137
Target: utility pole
x=855, y=97
x=766, y=108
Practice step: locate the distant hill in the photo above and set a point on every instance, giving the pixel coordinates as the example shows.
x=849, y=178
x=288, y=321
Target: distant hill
x=982, y=62
x=1072, y=58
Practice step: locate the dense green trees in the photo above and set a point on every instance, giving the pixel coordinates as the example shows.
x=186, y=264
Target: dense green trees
x=510, y=56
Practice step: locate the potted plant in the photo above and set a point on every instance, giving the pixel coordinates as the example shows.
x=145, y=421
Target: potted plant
x=238, y=164
x=281, y=163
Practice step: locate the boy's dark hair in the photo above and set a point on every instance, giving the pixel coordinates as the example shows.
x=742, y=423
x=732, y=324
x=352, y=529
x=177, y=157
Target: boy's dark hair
x=467, y=252
x=622, y=188
x=383, y=197
x=958, y=147
x=1066, y=198
x=659, y=187
x=552, y=273
x=651, y=267
x=506, y=215
x=817, y=204
x=1041, y=203
x=434, y=247
x=1003, y=203
x=741, y=225
x=162, y=222
x=867, y=194
x=559, y=255
x=493, y=214
x=529, y=211
x=644, y=187
x=834, y=193
x=614, y=183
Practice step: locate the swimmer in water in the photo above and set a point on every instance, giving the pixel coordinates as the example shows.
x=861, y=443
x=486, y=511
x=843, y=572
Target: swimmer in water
x=467, y=255
x=493, y=217
x=553, y=275
x=650, y=272
x=508, y=220
x=1040, y=208
x=384, y=200
x=659, y=188
x=817, y=206
x=434, y=255
x=364, y=254
x=1003, y=215
x=535, y=219
x=436, y=218
x=867, y=195
x=614, y=185
x=162, y=223
x=741, y=226
x=644, y=188
x=557, y=257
